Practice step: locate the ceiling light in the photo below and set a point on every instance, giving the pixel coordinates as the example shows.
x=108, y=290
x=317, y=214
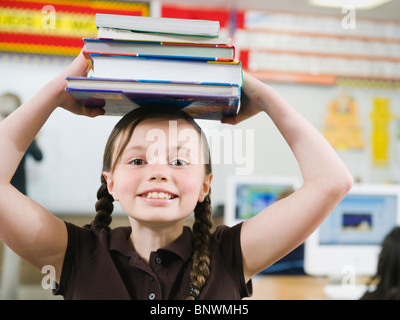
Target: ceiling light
x=358, y=4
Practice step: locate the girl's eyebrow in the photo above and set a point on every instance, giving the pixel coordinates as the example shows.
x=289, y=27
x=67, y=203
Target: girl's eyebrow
x=135, y=148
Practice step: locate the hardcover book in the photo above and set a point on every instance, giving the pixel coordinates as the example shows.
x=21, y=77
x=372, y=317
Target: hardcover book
x=216, y=52
x=192, y=27
x=133, y=67
x=120, y=102
x=120, y=34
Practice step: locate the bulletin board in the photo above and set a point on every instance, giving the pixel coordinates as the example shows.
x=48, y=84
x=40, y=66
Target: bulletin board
x=56, y=27
x=318, y=49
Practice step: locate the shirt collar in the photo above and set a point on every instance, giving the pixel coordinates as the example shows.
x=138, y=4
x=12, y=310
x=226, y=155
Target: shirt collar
x=119, y=241
x=182, y=246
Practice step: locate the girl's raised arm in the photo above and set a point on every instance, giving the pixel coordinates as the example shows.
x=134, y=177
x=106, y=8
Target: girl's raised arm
x=283, y=226
x=26, y=227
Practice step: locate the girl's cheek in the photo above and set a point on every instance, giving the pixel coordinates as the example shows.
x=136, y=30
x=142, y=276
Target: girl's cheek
x=127, y=183
x=192, y=184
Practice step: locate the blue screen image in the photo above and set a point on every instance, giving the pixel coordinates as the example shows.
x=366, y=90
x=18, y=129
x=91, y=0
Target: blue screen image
x=253, y=198
x=360, y=220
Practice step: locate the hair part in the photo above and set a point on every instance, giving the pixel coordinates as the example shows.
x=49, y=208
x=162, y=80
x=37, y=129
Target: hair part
x=116, y=144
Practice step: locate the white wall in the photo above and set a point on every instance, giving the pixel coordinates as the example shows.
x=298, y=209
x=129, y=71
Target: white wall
x=66, y=181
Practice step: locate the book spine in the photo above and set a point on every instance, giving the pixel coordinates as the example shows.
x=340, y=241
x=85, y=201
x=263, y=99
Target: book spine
x=155, y=25
x=110, y=40
x=92, y=54
x=124, y=35
x=178, y=70
x=163, y=43
x=155, y=56
x=86, y=79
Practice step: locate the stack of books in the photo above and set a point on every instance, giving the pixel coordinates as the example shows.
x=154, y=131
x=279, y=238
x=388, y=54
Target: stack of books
x=139, y=61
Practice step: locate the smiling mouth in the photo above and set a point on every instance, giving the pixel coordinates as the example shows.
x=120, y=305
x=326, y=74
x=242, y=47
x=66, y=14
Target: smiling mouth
x=158, y=195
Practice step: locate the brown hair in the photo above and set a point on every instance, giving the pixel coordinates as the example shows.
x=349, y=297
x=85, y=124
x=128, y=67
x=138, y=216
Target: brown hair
x=387, y=274
x=115, y=146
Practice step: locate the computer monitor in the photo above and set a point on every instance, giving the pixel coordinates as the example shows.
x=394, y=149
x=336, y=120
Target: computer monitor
x=246, y=196
x=349, y=240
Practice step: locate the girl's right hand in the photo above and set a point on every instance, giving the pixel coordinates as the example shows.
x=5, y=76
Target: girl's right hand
x=78, y=68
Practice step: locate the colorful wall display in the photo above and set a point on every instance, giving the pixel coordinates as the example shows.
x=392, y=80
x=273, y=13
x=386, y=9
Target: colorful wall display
x=56, y=27
x=342, y=126
x=380, y=117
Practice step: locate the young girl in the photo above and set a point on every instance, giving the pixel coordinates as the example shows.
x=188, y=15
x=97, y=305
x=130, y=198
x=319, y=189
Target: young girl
x=156, y=257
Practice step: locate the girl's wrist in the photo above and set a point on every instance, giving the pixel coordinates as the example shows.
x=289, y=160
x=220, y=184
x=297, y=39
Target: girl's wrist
x=270, y=101
x=55, y=92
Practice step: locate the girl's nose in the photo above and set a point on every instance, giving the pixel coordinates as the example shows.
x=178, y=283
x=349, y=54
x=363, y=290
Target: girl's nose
x=159, y=173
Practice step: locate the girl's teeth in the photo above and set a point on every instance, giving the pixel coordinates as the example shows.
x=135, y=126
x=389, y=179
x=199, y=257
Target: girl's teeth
x=159, y=195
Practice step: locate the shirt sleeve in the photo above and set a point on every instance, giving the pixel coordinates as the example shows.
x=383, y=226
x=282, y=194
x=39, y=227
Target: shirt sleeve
x=228, y=240
x=78, y=245
x=67, y=264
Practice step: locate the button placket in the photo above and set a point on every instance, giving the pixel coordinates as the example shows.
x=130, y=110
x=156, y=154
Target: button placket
x=155, y=263
x=153, y=287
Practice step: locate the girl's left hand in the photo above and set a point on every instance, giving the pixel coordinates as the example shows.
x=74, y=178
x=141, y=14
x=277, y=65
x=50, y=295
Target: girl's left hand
x=252, y=91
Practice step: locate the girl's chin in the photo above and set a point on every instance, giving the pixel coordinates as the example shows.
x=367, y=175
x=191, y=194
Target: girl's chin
x=158, y=214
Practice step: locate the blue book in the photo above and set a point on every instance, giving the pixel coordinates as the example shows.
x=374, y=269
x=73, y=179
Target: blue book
x=118, y=97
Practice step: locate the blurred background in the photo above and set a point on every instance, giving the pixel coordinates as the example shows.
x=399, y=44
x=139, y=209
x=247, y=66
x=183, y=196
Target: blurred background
x=336, y=62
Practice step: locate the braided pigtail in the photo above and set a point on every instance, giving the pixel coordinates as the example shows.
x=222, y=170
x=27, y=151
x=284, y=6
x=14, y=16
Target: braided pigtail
x=104, y=205
x=201, y=243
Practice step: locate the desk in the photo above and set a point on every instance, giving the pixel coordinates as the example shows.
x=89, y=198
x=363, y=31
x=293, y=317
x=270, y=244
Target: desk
x=282, y=287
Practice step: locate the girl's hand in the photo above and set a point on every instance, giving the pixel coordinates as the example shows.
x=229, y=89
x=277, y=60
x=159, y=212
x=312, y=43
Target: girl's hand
x=250, y=101
x=78, y=68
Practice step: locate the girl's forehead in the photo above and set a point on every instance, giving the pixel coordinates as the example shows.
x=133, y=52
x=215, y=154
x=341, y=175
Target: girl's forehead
x=153, y=126
x=165, y=132
x=162, y=122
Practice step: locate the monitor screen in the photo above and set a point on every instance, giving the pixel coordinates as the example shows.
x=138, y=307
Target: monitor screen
x=351, y=236
x=247, y=196
x=251, y=199
x=360, y=219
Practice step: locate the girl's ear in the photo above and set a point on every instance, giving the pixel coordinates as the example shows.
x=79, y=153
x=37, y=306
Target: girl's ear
x=205, y=188
x=110, y=184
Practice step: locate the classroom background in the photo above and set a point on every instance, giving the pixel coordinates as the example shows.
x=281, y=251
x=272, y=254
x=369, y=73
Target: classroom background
x=338, y=66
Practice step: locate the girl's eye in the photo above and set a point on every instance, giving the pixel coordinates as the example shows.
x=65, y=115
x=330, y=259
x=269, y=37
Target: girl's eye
x=179, y=162
x=137, y=162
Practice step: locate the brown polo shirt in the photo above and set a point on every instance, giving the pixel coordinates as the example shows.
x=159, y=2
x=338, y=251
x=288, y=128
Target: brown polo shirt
x=101, y=265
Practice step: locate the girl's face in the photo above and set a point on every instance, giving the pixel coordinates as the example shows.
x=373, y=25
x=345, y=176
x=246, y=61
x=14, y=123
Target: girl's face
x=160, y=176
